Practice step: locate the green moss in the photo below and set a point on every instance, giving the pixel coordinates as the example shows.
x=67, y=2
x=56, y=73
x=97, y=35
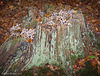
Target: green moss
x=27, y=73
x=90, y=35
x=14, y=67
x=1, y=69
x=89, y=70
x=73, y=58
x=80, y=56
x=43, y=71
x=97, y=44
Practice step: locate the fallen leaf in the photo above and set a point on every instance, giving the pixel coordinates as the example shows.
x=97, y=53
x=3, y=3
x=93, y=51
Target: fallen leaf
x=75, y=11
x=81, y=63
x=15, y=37
x=89, y=7
x=48, y=73
x=99, y=69
x=94, y=62
x=96, y=28
x=19, y=36
x=94, y=20
x=98, y=22
x=61, y=5
x=40, y=19
x=39, y=67
x=87, y=58
x=75, y=66
x=22, y=36
x=47, y=16
x=29, y=40
x=11, y=7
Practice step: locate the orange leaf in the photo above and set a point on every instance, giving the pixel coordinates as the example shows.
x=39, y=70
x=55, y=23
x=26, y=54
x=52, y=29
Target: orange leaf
x=15, y=37
x=93, y=64
x=39, y=19
x=8, y=68
x=75, y=66
x=21, y=35
x=47, y=16
x=87, y=58
x=19, y=30
x=6, y=37
x=28, y=28
x=94, y=20
x=81, y=63
x=89, y=7
x=29, y=40
x=61, y=4
x=66, y=19
x=1, y=41
x=75, y=11
x=48, y=73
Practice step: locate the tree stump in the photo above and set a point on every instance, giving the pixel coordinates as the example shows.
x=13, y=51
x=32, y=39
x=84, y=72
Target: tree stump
x=61, y=37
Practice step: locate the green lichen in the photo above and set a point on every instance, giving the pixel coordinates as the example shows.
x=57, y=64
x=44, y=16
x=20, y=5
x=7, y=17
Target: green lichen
x=14, y=42
x=32, y=24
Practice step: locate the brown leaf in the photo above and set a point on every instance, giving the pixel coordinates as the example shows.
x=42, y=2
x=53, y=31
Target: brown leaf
x=39, y=67
x=98, y=22
x=89, y=7
x=99, y=69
